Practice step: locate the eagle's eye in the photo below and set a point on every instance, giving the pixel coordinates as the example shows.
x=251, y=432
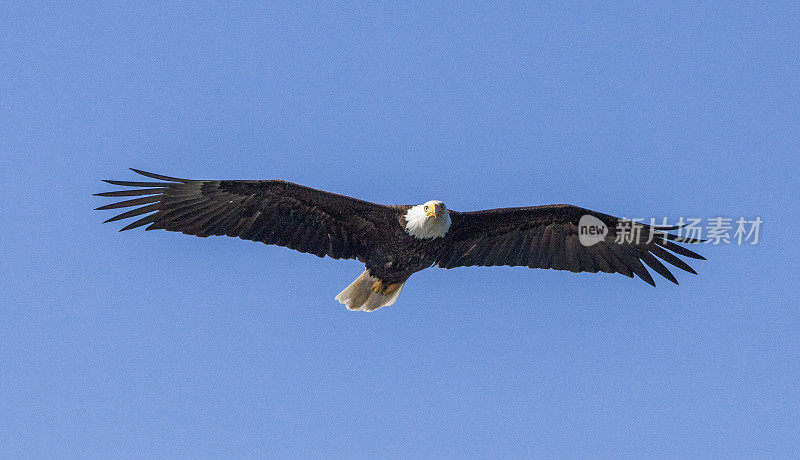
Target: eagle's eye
x=426, y=208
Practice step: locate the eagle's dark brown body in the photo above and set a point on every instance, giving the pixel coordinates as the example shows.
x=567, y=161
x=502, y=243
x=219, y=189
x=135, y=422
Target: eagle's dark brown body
x=400, y=255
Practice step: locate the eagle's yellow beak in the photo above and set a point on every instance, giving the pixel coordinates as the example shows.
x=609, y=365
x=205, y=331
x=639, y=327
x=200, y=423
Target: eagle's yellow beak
x=432, y=212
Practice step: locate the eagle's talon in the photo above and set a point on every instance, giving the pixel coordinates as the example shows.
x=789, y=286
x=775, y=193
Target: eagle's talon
x=391, y=289
x=377, y=286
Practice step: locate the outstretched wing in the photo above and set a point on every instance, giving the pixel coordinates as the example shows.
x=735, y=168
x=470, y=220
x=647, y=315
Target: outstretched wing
x=547, y=237
x=269, y=211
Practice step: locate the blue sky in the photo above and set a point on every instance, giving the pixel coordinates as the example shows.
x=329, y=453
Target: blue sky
x=159, y=344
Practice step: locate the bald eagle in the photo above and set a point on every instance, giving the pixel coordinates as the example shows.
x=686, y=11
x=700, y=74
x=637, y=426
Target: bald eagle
x=396, y=241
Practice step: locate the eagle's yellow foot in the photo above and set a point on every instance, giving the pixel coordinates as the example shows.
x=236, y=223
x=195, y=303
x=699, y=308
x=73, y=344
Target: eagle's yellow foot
x=391, y=289
x=385, y=289
x=377, y=286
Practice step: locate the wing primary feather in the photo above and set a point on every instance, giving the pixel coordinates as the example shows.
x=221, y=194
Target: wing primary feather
x=680, y=250
x=169, y=211
x=681, y=239
x=616, y=258
x=678, y=238
x=143, y=221
x=126, y=183
x=178, y=203
x=135, y=212
x=147, y=191
x=632, y=259
x=671, y=258
x=158, y=176
x=129, y=203
x=177, y=219
x=659, y=268
x=642, y=273
x=667, y=228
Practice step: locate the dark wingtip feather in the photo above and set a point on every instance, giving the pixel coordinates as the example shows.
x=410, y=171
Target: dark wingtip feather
x=128, y=192
x=662, y=230
x=129, y=203
x=133, y=184
x=689, y=269
x=630, y=257
x=157, y=176
x=666, y=228
x=657, y=266
x=680, y=239
x=680, y=250
x=648, y=279
x=134, y=212
x=671, y=258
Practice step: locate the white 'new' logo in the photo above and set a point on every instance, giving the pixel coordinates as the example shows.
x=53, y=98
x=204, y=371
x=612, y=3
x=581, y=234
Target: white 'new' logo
x=591, y=230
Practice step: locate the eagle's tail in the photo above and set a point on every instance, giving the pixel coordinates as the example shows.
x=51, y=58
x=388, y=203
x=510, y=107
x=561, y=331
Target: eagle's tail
x=368, y=293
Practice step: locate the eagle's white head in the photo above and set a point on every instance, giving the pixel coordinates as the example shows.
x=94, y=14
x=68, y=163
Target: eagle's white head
x=429, y=220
